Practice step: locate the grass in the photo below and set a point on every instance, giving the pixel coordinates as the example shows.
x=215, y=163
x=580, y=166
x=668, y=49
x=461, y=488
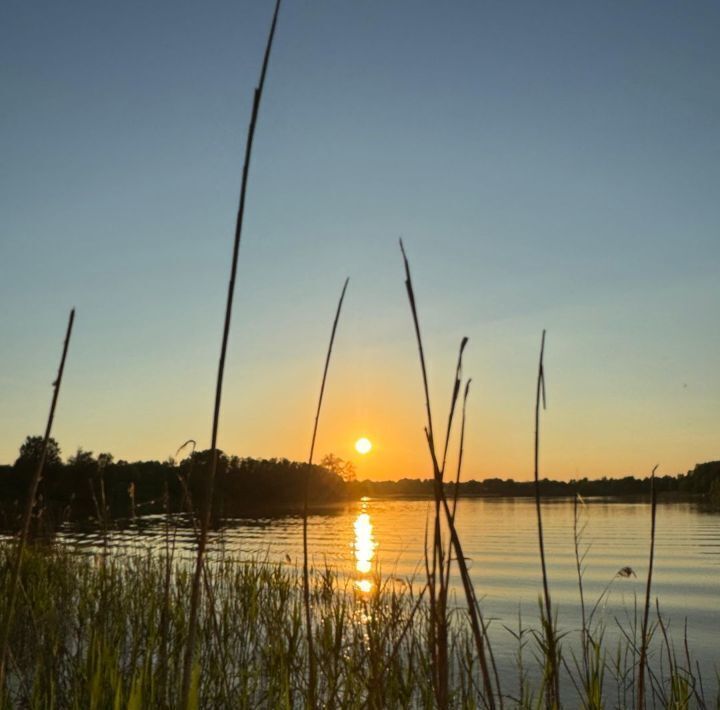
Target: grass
x=549, y=639
x=307, y=602
x=188, y=665
x=109, y=632
x=644, y=634
x=12, y=588
x=438, y=570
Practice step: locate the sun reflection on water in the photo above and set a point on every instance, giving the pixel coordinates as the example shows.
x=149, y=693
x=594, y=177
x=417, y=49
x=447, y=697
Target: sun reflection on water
x=364, y=548
x=364, y=585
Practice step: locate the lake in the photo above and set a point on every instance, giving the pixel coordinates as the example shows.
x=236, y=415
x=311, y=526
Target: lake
x=374, y=537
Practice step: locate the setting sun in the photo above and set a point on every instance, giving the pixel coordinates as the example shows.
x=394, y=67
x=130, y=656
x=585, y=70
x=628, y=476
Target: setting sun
x=363, y=445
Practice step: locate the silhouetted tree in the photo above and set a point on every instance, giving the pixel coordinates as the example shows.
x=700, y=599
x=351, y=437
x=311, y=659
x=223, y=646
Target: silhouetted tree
x=26, y=465
x=338, y=466
x=82, y=459
x=701, y=478
x=31, y=450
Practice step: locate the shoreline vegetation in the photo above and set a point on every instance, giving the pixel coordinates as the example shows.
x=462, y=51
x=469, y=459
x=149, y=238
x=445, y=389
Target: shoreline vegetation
x=78, y=487
x=106, y=632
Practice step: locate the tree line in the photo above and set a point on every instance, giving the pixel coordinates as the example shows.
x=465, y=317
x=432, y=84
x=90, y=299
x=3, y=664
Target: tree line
x=703, y=479
x=86, y=485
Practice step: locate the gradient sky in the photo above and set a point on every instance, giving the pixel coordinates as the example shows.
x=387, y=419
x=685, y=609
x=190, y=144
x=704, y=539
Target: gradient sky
x=549, y=165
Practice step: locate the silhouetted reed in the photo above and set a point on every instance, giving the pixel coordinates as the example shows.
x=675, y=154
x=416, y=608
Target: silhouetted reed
x=549, y=639
x=312, y=679
x=12, y=591
x=646, y=611
x=188, y=671
x=588, y=678
x=436, y=571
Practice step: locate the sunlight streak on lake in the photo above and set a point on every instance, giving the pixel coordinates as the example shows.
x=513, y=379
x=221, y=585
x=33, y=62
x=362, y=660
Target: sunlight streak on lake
x=364, y=548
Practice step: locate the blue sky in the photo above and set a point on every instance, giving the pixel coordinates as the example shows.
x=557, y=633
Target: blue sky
x=548, y=165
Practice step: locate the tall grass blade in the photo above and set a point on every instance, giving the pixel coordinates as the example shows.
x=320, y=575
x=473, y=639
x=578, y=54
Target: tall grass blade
x=553, y=685
x=312, y=675
x=461, y=450
x=27, y=515
x=646, y=611
x=477, y=624
x=205, y=521
x=456, y=489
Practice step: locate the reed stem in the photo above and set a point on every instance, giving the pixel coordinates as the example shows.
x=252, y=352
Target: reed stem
x=312, y=674
x=476, y=620
x=205, y=520
x=553, y=684
x=27, y=515
x=584, y=632
x=646, y=612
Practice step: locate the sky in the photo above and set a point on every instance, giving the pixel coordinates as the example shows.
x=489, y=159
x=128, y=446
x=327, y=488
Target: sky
x=548, y=165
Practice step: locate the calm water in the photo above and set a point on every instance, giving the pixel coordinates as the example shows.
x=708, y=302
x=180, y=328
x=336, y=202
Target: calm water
x=499, y=535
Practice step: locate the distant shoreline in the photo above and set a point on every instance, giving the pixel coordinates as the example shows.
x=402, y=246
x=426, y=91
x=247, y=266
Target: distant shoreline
x=86, y=487
x=662, y=496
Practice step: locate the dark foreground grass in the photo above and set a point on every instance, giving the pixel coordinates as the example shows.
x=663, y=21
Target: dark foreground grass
x=110, y=632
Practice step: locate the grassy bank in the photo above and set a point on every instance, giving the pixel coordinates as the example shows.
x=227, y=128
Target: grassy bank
x=110, y=632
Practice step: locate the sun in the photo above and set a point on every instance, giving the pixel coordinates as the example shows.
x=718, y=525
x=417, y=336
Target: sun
x=363, y=445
